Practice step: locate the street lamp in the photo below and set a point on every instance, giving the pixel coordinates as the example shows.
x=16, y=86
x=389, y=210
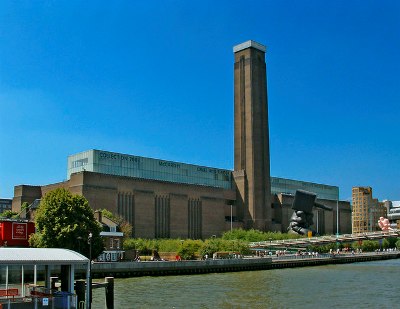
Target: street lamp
x=337, y=217
x=79, y=238
x=90, y=272
x=270, y=246
x=231, y=217
x=136, y=253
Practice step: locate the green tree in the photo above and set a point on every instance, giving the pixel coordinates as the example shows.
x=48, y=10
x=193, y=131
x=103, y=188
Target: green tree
x=9, y=214
x=123, y=225
x=64, y=220
x=235, y=234
x=367, y=245
x=189, y=248
x=240, y=246
x=211, y=246
x=398, y=244
x=256, y=235
x=390, y=242
x=169, y=245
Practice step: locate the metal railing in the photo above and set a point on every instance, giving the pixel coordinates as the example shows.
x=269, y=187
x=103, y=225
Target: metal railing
x=40, y=297
x=303, y=242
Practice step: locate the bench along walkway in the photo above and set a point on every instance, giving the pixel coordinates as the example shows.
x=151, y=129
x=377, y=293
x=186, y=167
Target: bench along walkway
x=9, y=293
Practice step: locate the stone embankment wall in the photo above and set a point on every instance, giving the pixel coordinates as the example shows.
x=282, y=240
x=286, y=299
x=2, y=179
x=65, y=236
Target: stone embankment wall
x=332, y=259
x=165, y=268
x=162, y=268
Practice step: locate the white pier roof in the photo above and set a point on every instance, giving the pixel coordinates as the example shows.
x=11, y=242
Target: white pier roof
x=40, y=256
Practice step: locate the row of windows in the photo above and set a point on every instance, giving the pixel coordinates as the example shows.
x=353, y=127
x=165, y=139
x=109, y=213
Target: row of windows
x=79, y=163
x=139, y=173
x=121, y=162
x=147, y=168
x=218, y=180
x=114, y=243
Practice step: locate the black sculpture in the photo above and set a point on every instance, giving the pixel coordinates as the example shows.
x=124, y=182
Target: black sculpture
x=302, y=217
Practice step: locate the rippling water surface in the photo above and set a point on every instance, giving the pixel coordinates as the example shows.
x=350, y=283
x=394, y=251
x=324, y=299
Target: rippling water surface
x=358, y=285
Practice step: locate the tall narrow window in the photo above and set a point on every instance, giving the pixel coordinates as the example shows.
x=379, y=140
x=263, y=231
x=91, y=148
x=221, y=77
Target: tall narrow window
x=162, y=216
x=194, y=219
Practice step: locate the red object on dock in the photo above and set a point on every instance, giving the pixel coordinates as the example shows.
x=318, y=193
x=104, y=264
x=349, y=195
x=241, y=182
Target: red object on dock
x=15, y=233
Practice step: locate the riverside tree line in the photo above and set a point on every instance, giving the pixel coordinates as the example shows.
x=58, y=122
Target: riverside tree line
x=64, y=220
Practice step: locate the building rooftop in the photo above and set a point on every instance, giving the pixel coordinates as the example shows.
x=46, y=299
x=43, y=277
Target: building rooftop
x=118, y=164
x=248, y=44
x=43, y=256
x=114, y=234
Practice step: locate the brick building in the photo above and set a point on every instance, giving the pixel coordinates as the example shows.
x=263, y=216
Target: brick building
x=366, y=210
x=163, y=199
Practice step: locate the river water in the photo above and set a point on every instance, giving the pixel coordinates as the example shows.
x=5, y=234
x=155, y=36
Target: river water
x=357, y=285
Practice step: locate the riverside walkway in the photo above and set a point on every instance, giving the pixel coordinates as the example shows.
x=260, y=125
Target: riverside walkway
x=324, y=240
x=293, y=260
x=184, y=267
x=166, y=268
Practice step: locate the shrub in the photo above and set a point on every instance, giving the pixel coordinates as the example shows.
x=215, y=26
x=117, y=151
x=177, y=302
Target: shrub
x=189, y=248
x=256, y=235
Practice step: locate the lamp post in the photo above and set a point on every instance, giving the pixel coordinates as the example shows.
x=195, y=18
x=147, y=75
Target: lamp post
x=89, y=300
x=182, y=250
x=337, y=217
x=136, y=253
x=270, y=247
x=337, y=224
x=79, y=238
x=231, y=217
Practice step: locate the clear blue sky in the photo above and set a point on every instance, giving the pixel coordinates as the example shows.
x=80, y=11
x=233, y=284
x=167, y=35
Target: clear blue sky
x=155, y=78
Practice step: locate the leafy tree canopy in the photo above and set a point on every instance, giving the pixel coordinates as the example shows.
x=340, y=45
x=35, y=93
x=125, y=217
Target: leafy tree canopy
x=64, y=220
x=256, y=235
x=24, y=206
x=123, y=225
x=9, y=214
x=188, y=249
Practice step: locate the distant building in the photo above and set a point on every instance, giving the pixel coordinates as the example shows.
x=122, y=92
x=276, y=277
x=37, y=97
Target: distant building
x=337, y=221
x=366, y=210
x=29, y=212
x=393, y=208
x=112, y=239
x=167, y=199
x=289, y=186
x=164, y=199
x=5, y=204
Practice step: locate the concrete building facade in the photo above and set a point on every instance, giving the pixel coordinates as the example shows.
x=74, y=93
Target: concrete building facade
x=393, y=213
x=156, y=209
x=165, y=199
x=5, y=204
x=366, y=210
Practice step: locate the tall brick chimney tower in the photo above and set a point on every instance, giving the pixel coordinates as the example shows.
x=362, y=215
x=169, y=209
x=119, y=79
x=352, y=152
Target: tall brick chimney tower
x=252, y=161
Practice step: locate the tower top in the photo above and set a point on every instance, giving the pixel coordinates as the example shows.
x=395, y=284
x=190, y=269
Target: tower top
x=248, y=44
